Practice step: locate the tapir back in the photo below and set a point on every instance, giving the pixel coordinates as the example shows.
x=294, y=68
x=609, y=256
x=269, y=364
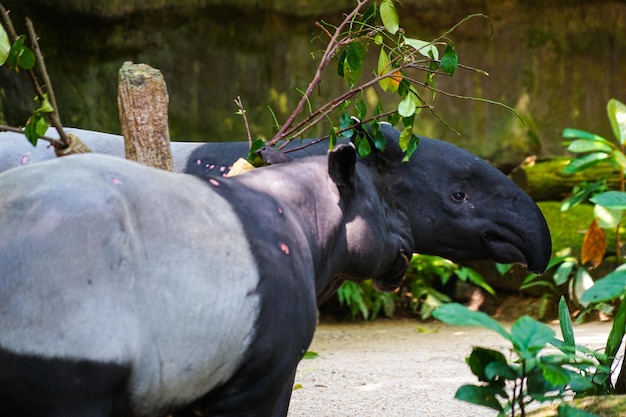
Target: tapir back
x=108, y=266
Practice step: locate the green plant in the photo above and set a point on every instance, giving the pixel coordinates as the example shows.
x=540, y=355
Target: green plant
x=609, y=208
x=418, y=292
x=529, y=374
x=407, y=68
x=426, y=273
x=591, y=150
x=18, y=56
x=365, y=299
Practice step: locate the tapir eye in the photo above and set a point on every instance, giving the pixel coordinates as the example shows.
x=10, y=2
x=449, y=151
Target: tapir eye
x=459, y=196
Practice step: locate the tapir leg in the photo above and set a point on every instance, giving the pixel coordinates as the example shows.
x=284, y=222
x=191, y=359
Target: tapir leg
x=44, y=387
x=282, y=404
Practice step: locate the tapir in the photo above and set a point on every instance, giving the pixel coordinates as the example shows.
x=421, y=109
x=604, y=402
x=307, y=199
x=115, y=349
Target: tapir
x=129, y=291
x=459, y=206
x=139, y=292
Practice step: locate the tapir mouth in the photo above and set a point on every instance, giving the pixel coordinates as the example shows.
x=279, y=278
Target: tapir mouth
x=515, y=251
x=391, y=280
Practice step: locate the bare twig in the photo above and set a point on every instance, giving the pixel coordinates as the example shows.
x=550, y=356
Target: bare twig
x=242, y=110
x=323, y=138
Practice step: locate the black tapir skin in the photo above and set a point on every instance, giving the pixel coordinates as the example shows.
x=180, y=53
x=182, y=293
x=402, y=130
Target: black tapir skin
x=129, y=291
x=459, y=206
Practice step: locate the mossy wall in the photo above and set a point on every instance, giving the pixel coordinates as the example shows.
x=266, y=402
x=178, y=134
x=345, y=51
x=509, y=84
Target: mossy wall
x=556, y=62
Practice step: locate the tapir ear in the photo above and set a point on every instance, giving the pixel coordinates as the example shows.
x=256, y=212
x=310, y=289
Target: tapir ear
x=342, y=166
x=272, y=156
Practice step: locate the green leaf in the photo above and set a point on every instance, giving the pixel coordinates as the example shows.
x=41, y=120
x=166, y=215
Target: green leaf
x=607, y=288
x=607, y=218
x=36, y=127
x=582, y=195
x=253, y=157
x=310, y=355
x=580, y=284
x=500, y=370
x=503, y=268
x=361, y=109
x=346, y=122
x=383, y=68
x=449, y=61
x=484, y=395
x=407, y=105
x=620, y=158
x=41, y=126
x=563, y=272
x=584, y=162
x=529, y=336
x=554, y=374
x=570, y=133
x=352, y=74
x=617, y=115
x=380, y=141
x=341, y=62
x=45, y=107
x=459, y=315
x=408, y=142
x=565, y=321
x=480, y=359
x=389, y=16
x=21, y=56
x=617, y=333
x=5, y=46
x=425, y=48
x=363, y=146
x=611, y=199
x=583, y=146
x=332, y=138
x=356, y=55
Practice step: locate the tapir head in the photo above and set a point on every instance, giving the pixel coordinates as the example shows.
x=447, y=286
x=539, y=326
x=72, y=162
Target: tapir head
x=462, y=208
x=378, y=238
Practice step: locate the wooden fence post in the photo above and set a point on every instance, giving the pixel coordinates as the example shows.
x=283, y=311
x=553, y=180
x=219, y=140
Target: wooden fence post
x=142, y=101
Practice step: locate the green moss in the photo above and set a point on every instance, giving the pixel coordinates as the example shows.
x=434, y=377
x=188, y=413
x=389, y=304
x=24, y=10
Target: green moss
x=568, y=228
x=605, y=406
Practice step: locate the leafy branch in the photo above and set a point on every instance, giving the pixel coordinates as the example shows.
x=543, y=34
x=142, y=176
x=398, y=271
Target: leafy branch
x=399, y=58
x=19, y=57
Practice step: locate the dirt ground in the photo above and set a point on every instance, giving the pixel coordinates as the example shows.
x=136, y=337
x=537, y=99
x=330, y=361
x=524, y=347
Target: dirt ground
x=398, y=368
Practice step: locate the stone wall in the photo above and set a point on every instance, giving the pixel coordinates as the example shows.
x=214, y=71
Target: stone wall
x=556, y=62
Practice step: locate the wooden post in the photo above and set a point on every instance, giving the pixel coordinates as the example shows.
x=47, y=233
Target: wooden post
x=142, y=101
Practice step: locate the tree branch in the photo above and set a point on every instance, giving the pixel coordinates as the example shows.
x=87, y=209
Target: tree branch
x=328, y=54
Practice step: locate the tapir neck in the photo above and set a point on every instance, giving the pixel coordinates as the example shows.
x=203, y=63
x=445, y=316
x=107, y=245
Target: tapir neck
x=303, y=203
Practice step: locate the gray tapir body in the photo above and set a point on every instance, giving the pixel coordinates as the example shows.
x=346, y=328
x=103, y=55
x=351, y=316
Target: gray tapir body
x=459, y=206
x=128, y=291
x=455, y=205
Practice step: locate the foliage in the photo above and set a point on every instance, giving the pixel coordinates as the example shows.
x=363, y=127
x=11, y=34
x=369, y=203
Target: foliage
x=609, y=205
x=420, y=290
x=406, y=68
x=426, y=273
x=531, y=375
x=363, y=298
x=18, y=56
